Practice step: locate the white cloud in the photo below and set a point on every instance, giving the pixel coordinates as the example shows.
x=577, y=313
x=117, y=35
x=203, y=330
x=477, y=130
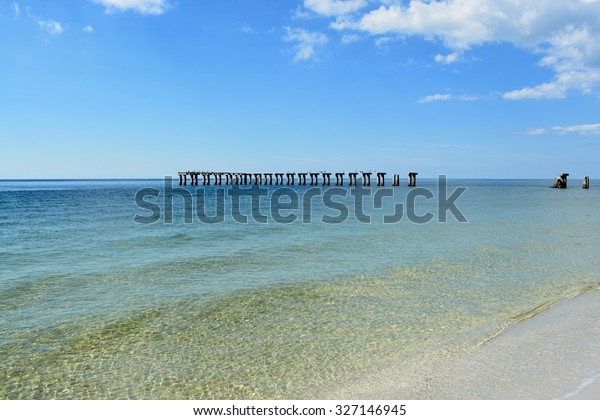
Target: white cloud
x=566, y=33
x=536, y=132
x=51, y=26
x=447, y=59
x=145, y=7
x=581, y=129
x=382, y=41
x=247, y=30
x=558, y=88
x=88, y=29
x=306, y=42
x=434, y=98
x=334, y=7
x=17, y=9
x=448, y=97
x=301, y=13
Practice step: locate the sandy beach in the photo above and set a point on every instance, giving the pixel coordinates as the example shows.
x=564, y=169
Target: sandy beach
x=553, y=355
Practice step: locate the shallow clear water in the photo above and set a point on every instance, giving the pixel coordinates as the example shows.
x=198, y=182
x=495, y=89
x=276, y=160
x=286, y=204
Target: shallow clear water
x=95, y=305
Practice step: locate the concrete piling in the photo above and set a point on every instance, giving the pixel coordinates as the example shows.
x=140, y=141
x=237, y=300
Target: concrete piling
x=314, y=178
x=381, y=179
x=412, y=179
x=366, y=179
x=560, y=181
x=586, y=183
x=302, y=178
x=352, y=178
x=279, y=178
x=290, y=176
x=182, y=178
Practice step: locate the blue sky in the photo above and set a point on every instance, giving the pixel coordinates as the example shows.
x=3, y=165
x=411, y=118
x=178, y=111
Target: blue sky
x=145, y=88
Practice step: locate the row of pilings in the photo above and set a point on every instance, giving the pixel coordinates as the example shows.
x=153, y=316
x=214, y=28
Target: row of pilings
x=288, y=178
x=561, y=181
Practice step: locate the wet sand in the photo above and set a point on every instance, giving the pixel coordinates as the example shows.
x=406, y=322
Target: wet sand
x=553, y=355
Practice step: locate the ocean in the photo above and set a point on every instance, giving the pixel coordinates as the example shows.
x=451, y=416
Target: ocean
x=103, y=296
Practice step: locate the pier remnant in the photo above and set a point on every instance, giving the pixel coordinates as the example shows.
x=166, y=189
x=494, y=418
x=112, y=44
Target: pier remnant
x=352, y=178
x=586, y=182
x=278, y=178
x=366, y=179
x=560, y=181
x=257, y=178
x=412, y=179
x=192, y=177
x=314, y=178
x=302, y=178
x=290, y=176
x=182, y=178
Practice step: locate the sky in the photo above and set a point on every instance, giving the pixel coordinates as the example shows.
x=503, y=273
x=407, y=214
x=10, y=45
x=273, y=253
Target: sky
x=147, y=88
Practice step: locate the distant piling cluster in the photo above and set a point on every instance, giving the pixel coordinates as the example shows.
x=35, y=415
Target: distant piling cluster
x=288, y=178
x=561, y=181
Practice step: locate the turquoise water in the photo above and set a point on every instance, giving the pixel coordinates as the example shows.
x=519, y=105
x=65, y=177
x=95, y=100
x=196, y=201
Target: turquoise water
x=95, y=305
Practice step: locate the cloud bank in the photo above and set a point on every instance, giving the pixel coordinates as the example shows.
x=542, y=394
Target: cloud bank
x=565, y=33
x=581, y=129
x=334, y=7
x=145, y=7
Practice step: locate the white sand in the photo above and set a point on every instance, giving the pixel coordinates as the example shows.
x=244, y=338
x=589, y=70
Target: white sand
x=554, y=355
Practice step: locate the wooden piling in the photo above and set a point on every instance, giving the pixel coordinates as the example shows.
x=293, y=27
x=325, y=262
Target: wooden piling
x=586, y=182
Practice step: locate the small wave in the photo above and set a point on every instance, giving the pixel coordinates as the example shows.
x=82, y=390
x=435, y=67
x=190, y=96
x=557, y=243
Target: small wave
x=582, y=386
x=533, y=312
